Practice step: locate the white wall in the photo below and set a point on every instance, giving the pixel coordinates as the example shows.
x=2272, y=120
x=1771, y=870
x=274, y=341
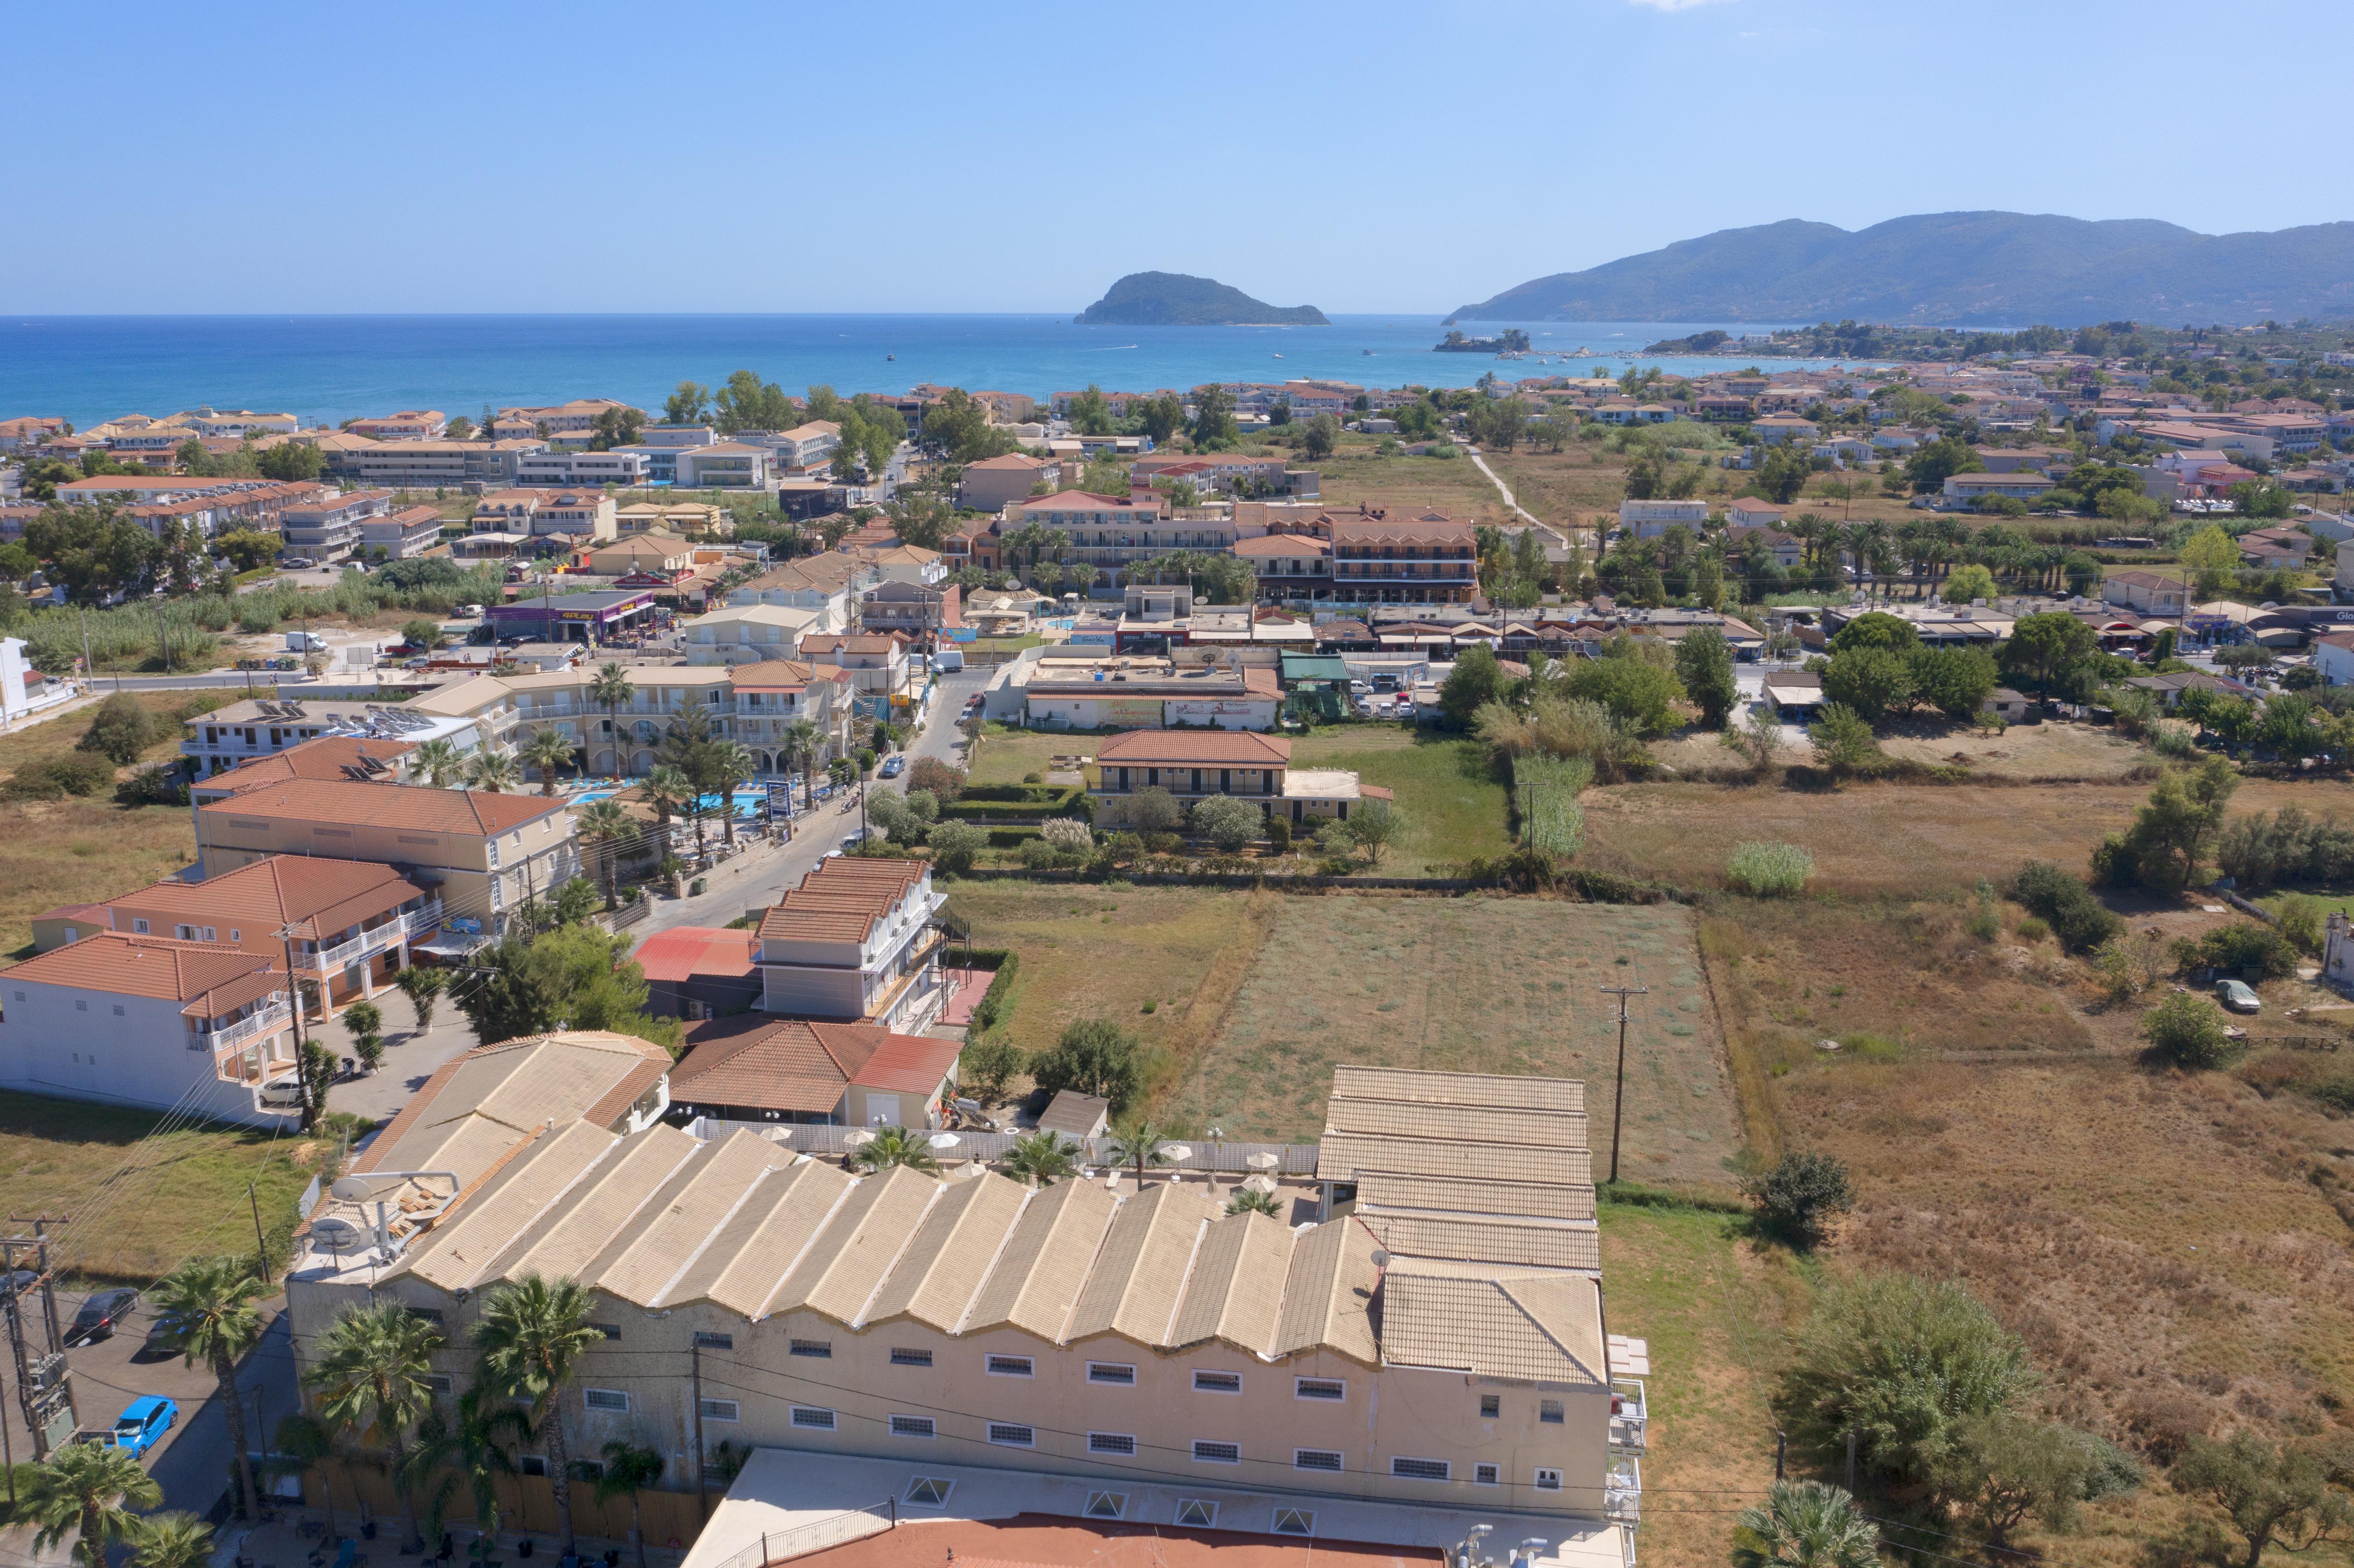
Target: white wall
x=140, y=1058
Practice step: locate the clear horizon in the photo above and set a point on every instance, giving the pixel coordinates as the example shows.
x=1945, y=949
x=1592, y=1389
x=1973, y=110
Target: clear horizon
x=746, y=161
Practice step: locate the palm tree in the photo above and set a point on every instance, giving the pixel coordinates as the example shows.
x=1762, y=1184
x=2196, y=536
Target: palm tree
x=1040, y=1158
x=805, y=741
x=547, y=750
x=171, y=1540
x=438, y=762
x=894, y=1146
x=630, y=1469
x=208, y=1308
x=491, y=772
x=474, y=1445
x=304, y=1441
x=91, y=1487
x=669, y=789
x=1245, y=1201
x=1139, y=1144
x=370, y=1378
x=731, y=764
x=605, y=824
x=423, y=988
x=1805, y=1524
x=531, y=1334
x=609, y=690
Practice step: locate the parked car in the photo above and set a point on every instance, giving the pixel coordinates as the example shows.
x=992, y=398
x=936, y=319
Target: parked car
x=894, y=765
x=143, y=1422
x=105, y=1311
x=2236, y=996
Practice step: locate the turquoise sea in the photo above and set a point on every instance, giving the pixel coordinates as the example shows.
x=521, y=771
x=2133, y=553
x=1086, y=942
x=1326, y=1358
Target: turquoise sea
x=330, y=368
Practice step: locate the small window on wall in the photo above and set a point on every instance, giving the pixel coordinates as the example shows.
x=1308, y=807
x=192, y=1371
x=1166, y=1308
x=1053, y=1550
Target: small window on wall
x=727, y=1410
x=1208, y=1452
x=1549, y=1412
x=1548, y=1481
x=911, y=1426
x=1121, y=1443
x=704, y=1342
x=1485, y=1476
x=1295, y=1521
x=1111, y=1373
x=605, y=1399
x=1490, y=1406
x=1012, y=1435
x=1217, y=1383
x=1011, y=1366
x=1405, y=1469
x=1315, y=1459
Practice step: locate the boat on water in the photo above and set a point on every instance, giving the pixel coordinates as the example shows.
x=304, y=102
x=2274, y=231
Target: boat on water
x=1278, y=357
x=890, y=356
x=1366, y=352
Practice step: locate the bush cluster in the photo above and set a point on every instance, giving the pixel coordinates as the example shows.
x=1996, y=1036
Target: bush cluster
x=2081, y=920
x=1768, y=868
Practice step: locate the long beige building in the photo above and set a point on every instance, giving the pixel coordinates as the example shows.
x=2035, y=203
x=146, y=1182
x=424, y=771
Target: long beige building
x=1429, y=1332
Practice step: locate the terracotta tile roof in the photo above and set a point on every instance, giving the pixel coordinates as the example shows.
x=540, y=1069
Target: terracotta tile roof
x=330, y=757
x=793, y=1065
x=318, y=896
x=1195, y=749
x=154, y=967
x=777, y=675
x=684, y=952
x=841, y=899
x=1263, y=545
x=1347, y=530
x=465, y=811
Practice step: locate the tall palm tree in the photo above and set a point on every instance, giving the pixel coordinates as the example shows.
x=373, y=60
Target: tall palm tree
x=609, y=690
x=605, y=824
x=630, y=1469
x=303, y=1441
x=893, y=1146
x=806, y=741
x=547, y=750
x=531, y=1334
x=370, y=1378
x=1040, y=1158
x=171, y=1540
x=438, y=762
x=1139, y=1144
x=208, y=1308
x=668, y=790
x=1805, y=1524
x=731, y=764
x=91, y=1487
x=491, y=772
x=473, y=1444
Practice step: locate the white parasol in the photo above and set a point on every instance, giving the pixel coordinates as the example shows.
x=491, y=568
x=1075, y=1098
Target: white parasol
x=1263, y=1161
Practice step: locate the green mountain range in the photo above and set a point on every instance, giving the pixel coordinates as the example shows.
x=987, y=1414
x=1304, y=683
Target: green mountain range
x=1172, y=299
x=1958, y=269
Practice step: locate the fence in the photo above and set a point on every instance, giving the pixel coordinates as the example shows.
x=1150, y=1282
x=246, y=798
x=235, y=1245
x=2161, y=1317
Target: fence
x=783, y=1545
x=1201, y=1154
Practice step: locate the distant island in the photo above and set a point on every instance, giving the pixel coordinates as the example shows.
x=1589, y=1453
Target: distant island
x=1172, y=299
x=1958, y=269
x=1513, y=340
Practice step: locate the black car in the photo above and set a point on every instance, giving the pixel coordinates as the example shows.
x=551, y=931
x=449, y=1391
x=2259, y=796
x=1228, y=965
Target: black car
x=104, y=1312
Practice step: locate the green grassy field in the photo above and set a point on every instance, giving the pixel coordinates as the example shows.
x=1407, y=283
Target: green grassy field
x=1453, y=803
x=139, y=1204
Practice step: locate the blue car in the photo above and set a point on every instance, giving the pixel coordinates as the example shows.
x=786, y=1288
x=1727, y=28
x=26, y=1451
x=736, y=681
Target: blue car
x=143, y=1423
x=894, y=765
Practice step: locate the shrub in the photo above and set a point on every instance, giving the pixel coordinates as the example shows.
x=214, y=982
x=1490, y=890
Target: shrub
x=2247, y=947
x=120, y=730
x=1843, y=740
x=2082, y=922
x=1154, y=811
x=954, y=845
x=1037, y=854
x=1279, y=834
x=2187, y=1031
x=1799, y=1194
x=1095, y=1056
x=1900, y=1362
x=75, y=773
x=2034, y=928
x=1768, y=868
x=1163, y=843
x=945, y=783
x=2300, y=921
x=1066, y=835
x=157, y=784
x=1228, y=824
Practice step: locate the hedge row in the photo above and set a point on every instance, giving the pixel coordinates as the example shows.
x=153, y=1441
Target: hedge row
x=992, y=1002
x=971, y=810
x=1033, y=793
x=1011, y=838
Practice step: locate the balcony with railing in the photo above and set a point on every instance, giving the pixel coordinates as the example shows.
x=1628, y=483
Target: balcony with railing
x=371, y=941
x=1630, y=1414
x=253, y=1026
x=1622, y=1489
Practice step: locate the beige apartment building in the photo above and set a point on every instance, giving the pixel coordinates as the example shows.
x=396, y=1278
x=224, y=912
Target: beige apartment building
x=483, y=854
x=1423, y=1327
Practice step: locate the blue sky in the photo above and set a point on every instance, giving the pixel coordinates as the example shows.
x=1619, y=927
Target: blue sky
x=970, y=158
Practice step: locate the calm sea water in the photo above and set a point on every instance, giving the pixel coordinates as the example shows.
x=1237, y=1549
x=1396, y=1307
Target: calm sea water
x=330, y=368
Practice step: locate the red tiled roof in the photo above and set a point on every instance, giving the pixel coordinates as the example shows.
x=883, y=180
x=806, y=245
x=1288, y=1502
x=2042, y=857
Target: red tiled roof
x=792, y=1064
x=841, y=899
x=328, y=756
x=684, y=952
x=154, y=967
x=318, y=896
x=396, y=806
x=1195, y=749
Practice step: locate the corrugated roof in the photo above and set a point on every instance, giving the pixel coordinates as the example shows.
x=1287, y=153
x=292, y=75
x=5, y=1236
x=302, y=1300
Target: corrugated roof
x=757, y=1246
x=1143, y=1266
x=936, y=1279
x=1234, y=1289
x=1043, y=1265
x=560, y=1243
x=640, y=1260
x=463, y=1247
x=1329, y=1296
x=849, y=1257
x=1422, y=1086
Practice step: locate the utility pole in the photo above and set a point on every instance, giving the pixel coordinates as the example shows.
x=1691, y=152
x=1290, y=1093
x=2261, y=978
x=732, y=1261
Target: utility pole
x=311, y=1112
x=1618, y=1090
x=44, y=1386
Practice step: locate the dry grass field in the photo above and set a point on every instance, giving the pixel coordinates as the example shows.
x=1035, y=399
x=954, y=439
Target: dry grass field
x=1481, y=985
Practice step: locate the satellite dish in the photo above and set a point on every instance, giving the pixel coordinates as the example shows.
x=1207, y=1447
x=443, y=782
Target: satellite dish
x=334, y=1228
x=350, y=1188
x=1381, y=1258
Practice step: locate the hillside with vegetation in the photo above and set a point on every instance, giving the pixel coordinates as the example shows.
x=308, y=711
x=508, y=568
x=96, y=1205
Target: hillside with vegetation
x=1957, y=267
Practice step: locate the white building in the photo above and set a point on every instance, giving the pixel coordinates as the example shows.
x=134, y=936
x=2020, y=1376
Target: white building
x=739, y=634
x=24, y=692
x=855, y=941
x=553, y=468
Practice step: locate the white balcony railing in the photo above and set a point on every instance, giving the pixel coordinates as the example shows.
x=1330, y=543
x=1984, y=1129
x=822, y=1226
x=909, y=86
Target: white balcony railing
x=1630, y=1414
x=369, y=943
x=269, y=1019
x=1622, y=1490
